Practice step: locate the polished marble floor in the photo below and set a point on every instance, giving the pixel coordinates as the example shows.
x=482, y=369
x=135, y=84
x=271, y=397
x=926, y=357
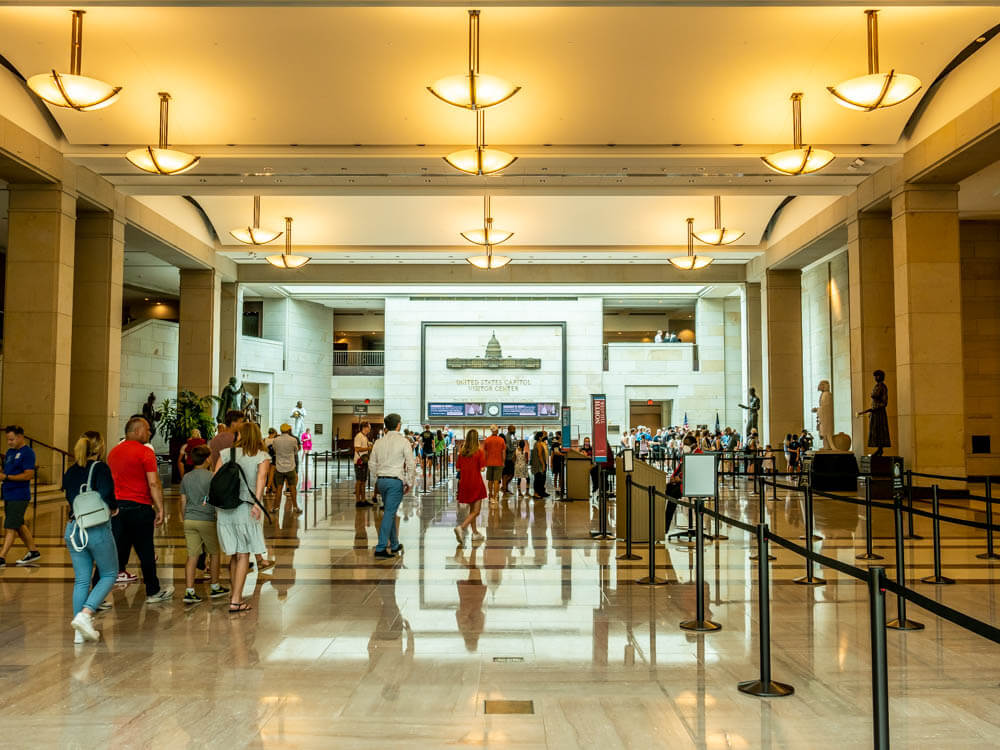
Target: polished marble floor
x=343, y=652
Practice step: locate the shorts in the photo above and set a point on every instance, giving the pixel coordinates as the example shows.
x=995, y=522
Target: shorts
x=557, y=464
x=508, y=468
x=361, y=472
x=198, y=533
x=13, y=513
x=493, y=473
x=291, y=478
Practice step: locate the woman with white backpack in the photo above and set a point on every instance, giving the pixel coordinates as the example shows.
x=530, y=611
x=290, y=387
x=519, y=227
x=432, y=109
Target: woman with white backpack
x=90, y=491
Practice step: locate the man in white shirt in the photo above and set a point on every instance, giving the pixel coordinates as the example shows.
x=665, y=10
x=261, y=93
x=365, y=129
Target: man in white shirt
x=361, y=450
x=394, y=468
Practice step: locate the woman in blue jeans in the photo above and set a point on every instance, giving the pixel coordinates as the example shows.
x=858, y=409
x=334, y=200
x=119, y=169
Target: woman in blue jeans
x=100, y=549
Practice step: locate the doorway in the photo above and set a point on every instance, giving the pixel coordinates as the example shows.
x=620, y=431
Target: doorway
x=650, y=413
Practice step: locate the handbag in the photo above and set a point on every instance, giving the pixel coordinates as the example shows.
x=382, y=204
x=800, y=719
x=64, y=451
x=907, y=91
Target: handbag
x=89, y=510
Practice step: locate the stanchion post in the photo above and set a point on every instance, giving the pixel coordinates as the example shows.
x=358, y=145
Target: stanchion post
x=909, y=506
x=651, y=579
x=880, y=665
x=869, y=554
x=628, y=522
x=699, y=624
x=936, y=526
x=901, y=622
x=764, y=687
x=989, y=554
x=809, y=579
x=602, y=508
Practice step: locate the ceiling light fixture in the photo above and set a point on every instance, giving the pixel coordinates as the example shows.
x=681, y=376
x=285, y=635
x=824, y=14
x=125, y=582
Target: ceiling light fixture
x=719, y=235
x=73, y=90
x=162, y=160
x=473, y=90
x=480, y=160
x=875, y=90
x=288, y=259
x=799, y=159
x=255, y=235
x=487, y=235
x=691, y=262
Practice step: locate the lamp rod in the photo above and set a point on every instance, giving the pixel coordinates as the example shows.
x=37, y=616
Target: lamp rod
x=76, y=43
x=164, y=117
x=872, y=41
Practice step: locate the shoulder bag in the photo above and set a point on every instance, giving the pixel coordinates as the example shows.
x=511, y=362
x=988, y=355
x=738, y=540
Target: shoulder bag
x=89, y=510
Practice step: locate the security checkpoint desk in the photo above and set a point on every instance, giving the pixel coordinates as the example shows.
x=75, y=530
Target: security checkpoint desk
x=644, y=475
x=577, y=475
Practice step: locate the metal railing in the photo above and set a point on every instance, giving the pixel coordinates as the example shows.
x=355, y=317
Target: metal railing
x=358, y=358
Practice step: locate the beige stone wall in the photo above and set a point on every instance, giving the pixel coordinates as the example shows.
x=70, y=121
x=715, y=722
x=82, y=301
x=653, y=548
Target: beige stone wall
x=980, y=244
x=826, y=339
x=148, y=364
x=732, y=414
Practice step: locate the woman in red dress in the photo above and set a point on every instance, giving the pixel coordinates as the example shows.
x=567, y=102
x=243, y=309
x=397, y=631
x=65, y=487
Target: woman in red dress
x=470, y=463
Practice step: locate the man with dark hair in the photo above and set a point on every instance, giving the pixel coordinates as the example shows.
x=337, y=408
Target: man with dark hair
x=226, y=436
x=394, y=469
x=362, y=449
x=18, y=471
x=140, y=504
x=508, y=463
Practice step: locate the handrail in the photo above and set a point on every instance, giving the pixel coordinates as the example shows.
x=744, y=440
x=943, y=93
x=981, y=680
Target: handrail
x=33, y=441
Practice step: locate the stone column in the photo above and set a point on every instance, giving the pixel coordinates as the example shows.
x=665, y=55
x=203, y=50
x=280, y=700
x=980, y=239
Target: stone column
x=928, y=306
x=198, y=333
x=97, y=326
x=231, y=328
x=755, y=375
x=38, y=319
x=872, y=320
x=781, y=327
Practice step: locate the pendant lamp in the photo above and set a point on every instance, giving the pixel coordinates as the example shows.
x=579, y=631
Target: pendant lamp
x=480, y=160
x=875, y=90
x=162, y=160
x=254, y=234
x=799, y=159
x=288, y=259
x=487, y=235
x=489, y=261
x=73, y=90
x=473, y=90
x=691, y=262
x=719, y=235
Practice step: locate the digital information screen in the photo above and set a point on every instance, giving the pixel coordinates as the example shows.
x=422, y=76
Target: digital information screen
x=518, y=410
x=475, y=410
x=548, y=410
x=446, y=410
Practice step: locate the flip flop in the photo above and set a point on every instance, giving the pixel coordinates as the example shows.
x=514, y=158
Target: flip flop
x=241, y=607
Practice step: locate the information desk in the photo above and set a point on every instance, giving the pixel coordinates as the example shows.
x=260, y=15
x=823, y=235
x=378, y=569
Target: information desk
x=644, y=475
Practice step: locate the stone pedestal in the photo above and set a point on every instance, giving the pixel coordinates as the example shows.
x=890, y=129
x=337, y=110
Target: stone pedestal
x=832, y=471
x=879, y=469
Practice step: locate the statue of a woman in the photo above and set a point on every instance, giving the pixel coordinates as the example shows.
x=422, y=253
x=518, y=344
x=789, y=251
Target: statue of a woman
x=824, y=415
x=753, y=408
x=878, y=420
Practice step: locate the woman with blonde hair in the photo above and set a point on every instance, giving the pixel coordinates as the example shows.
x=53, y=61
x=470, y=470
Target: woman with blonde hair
x=90, y=543
x=240, y=530
x=470, y=463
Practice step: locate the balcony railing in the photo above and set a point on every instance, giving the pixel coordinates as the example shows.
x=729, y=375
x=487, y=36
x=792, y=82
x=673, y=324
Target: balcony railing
x=348, y=362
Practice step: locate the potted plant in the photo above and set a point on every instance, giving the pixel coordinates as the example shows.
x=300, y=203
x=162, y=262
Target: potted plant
x=181, y=417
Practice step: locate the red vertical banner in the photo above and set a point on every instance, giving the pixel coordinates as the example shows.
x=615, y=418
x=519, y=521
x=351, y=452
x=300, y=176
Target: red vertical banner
x=599, y=413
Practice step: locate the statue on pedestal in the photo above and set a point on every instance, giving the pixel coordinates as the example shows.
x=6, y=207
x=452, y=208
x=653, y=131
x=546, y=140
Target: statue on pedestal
x=824, y=415
x=298, y=416
x=151, y=414
x=878, y=420
x=753, y=409
x=229, y=400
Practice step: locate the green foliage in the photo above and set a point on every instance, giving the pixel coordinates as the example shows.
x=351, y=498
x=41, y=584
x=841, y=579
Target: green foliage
x=189, y=412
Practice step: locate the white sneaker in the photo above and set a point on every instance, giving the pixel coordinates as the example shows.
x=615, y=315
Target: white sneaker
x=77, y=637
x=163, y=595
x=477, y=537
x=83, y=625
x=458, y=535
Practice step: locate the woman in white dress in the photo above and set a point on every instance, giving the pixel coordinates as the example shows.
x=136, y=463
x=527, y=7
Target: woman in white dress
x=240, y=531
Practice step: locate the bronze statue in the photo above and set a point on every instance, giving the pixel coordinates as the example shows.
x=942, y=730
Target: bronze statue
x=230, y=400
x=878, y=420
x=753, y=408
x=151, y=414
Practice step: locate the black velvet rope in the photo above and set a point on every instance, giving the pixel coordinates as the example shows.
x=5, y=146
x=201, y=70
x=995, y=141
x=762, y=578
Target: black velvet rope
x=944, y=612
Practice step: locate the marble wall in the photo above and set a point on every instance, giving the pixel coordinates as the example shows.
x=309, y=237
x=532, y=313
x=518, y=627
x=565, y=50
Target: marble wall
x=826, y=343
x=149, y=364
x=980, y=244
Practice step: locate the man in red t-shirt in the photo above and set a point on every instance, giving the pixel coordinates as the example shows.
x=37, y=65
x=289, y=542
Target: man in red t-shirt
x=140, y=504
x=495, y=448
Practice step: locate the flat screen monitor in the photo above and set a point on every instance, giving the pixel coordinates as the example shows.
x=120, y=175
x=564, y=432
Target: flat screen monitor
x=519, y=410
x=446, y=410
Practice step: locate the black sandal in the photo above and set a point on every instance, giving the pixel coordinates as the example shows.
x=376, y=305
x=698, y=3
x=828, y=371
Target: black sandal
x=241, y=607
